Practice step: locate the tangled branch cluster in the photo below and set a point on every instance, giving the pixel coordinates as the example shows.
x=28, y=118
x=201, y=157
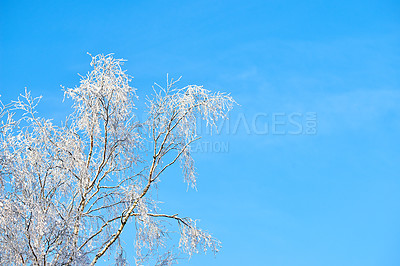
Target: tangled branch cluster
x=67, y=192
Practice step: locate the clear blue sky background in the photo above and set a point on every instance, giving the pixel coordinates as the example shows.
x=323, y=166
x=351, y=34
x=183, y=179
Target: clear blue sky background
x=330, y=198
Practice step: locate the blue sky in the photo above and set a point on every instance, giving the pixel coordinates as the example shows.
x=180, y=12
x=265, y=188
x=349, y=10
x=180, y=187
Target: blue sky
x=330, y=197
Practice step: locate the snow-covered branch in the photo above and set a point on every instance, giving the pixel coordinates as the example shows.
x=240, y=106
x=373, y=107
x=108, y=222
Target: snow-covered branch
x=68, y=191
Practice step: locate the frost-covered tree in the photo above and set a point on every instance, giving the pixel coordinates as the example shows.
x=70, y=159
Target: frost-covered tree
x=67, y=192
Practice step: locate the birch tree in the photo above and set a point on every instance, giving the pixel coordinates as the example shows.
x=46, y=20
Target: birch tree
x=68, y=191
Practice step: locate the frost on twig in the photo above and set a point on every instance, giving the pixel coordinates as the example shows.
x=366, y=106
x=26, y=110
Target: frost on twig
x=172, y=121
x=68, y=191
